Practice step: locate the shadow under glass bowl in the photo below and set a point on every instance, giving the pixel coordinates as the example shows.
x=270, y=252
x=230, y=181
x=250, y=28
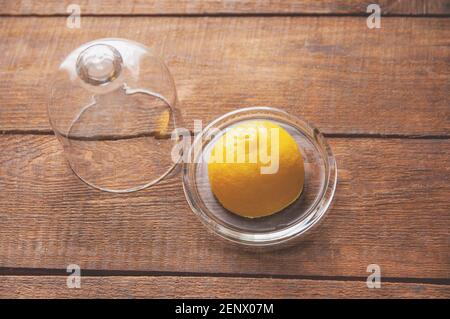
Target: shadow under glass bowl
x=291, y=222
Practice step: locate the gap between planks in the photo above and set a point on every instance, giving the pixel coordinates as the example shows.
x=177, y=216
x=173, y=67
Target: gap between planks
x=327, y=135
x=11, y=271
x=226, y=14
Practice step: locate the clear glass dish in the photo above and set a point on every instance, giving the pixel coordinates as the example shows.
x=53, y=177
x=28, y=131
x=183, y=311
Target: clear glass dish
x=293, y=221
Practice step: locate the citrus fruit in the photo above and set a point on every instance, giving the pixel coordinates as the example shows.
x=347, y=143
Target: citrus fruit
x=255, y=169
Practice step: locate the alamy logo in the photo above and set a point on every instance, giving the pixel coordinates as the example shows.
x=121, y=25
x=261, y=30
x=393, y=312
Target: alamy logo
x=74, y=279
x=374, y=279
x=74, y=19
x=242, y=145
x=374, y=20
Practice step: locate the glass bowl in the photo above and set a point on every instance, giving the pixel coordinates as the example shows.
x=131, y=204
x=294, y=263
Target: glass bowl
x=293, y=221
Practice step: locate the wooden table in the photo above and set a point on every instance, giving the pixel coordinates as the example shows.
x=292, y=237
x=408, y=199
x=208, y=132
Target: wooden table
x=381, y=96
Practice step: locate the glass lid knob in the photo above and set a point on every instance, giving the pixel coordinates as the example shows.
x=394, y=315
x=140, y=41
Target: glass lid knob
x=99, y=64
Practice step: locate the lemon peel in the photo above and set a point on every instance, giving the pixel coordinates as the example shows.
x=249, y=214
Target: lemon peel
x=256, y=169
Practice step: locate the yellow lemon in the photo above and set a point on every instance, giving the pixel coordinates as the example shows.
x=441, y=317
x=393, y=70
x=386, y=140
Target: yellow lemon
x=255, y=169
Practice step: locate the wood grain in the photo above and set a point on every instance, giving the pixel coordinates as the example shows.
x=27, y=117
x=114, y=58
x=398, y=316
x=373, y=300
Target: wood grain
x=208, y=287
x=335, y=72
x=152, y=7
x=391, y=208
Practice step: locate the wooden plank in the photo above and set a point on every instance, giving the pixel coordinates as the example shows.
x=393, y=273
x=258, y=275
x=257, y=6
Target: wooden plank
x=391, y=208
x=335, y=72
x=410, y=7
x=208, y=287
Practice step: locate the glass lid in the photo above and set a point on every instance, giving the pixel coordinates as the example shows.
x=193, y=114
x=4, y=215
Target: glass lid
x=113, y=108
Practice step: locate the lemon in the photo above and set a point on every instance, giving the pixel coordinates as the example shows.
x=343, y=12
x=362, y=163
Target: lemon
x=255, y=169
